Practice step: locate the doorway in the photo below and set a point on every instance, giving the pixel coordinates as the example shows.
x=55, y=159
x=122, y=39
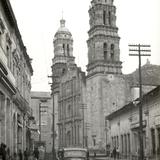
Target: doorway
x=158, y=150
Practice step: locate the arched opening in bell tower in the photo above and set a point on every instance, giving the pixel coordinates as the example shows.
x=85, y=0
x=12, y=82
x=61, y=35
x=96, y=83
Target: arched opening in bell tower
x=104, y=17
x=112, y=52
x=67, y=49
x=105, y=51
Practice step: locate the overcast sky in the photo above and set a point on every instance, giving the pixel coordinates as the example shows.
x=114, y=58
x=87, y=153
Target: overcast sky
x=38, y=20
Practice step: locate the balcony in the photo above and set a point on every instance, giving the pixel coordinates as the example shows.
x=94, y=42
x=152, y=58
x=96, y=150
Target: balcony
x=22, y=103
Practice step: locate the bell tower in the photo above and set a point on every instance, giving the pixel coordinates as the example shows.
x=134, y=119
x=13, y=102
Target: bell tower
x=63, y=53
x=106, y=85
x=103, y=42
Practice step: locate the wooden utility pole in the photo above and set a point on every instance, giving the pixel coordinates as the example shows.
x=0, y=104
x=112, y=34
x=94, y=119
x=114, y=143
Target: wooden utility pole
x=53, y=130
x=140, y=48
x=54, y=83
x=40, y=122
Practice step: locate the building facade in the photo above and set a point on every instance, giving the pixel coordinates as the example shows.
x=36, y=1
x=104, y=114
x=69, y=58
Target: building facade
x=71, y=108
x=41, y=104
x=15, y=83
x=107, y=89
x=68, y=91
x=124, y=126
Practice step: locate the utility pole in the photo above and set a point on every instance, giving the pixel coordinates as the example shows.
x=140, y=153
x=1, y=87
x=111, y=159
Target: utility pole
x=53, y=126
x=40, y=122
x=140, y=48
x=53, y=117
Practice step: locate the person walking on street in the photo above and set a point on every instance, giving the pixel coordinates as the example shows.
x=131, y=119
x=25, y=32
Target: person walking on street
x=14, y=156
x=8, y=156
x=36, y=153
x=114, y=153
x=3, y=151
x=117, y=152
x=20, y=155
x=26, y=154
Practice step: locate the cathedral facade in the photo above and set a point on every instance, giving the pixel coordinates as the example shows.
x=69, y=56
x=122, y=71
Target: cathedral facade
x=84, y=100
x=68, y=90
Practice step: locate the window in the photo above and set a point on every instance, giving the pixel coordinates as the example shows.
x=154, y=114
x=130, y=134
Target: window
x=8, y=56
x=94, y=142
x=122, y=143
x=64, y=49
x=69, y=111
x=104, y=17
x=129, y=144
x=67, y=49
x=112, y=51
x=69, y=138
x=105, y=51
x=2, y=27
x=125, y=144
x=44, y=114
x=109, y=16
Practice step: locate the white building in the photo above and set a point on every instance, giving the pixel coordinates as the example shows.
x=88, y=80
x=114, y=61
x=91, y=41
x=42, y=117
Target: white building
x=15, y=83
x=124, y=126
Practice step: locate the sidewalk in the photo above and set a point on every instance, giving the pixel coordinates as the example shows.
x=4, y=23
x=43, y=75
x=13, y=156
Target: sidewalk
x=110, y=158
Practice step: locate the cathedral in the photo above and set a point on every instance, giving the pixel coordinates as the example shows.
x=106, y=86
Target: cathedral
x=83, y=100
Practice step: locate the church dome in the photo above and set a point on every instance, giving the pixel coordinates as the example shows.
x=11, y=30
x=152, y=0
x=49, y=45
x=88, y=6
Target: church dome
x=63, y=32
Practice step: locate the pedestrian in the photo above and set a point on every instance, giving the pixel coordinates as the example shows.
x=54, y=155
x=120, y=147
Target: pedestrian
x=14, y=156
x=3, y=151
x=117, y=152
x=87, y=154
x=26, y=154
x=36, y=153
x=8, y=156
x=114, y=153
x=20, y=155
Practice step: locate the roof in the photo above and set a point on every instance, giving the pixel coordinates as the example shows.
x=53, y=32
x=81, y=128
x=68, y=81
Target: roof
x=150, y=75
x=62, y=29
x=147, y=97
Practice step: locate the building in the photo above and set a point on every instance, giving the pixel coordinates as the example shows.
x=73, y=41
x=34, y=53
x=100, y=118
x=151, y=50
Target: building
x=107, y=88
x=103, y=90
x=68, y=90
x=15, y=83
x=41, y=104
x=124, y=126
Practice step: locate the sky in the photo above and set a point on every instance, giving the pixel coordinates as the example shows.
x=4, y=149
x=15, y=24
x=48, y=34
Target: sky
x=38, y=20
